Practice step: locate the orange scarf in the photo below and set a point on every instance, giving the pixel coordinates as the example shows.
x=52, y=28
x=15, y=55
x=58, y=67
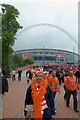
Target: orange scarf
x=37, y=96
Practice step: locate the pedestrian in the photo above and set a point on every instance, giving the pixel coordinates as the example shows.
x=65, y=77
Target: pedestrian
x=58, y=75
x=19, y=74
x=13, y=74
x=77, y=74
x=42, y=97
x=54, y=86
x=28, y=74
x=64, y=85
x=71, y=83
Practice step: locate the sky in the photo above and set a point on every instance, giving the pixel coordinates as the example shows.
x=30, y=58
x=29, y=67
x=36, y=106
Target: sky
x=58, y=15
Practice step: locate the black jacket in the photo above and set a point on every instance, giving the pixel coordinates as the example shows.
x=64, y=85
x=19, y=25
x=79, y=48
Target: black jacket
x=28, y=98
x=30, y=74
x=5, y=86
x=49, y=99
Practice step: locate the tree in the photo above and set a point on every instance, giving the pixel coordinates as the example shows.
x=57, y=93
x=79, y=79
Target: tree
x=9, y=28
x=28, y=61
x=17, y=61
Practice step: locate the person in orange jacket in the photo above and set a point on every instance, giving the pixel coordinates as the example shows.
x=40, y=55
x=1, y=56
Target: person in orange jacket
x=42, y=96
x=38, y=87
x=71, y=82
x=53, y=81
x=54, y=85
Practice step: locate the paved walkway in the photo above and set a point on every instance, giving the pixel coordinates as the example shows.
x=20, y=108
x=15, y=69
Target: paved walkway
x=13, y=102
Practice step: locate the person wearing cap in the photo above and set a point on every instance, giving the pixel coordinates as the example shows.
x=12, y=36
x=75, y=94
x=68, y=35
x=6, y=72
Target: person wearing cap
x=71, y=82
x=38, y=91
x=42, y=97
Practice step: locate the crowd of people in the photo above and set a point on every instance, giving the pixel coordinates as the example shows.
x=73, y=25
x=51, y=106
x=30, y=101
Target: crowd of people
x=44, y=85
x=17, y=72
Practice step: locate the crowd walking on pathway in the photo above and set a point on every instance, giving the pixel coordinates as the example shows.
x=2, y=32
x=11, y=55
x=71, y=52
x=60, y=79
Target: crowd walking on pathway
x=44, y=85
x=40, y=96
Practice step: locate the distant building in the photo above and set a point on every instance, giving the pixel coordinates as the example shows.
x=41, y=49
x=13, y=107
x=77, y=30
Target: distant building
x=44, y=55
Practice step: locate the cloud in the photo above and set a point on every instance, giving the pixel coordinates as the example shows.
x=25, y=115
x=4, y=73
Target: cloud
x=63, y=13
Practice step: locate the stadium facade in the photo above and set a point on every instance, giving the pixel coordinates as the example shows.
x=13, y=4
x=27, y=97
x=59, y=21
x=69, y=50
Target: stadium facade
x=43, y=56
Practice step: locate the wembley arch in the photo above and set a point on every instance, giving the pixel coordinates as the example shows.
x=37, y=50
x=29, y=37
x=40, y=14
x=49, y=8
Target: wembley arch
x=50, y=25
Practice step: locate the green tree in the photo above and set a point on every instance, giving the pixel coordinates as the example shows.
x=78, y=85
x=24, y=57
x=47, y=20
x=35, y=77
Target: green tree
x=17, y=61
x=28, y=61
x=10, y=26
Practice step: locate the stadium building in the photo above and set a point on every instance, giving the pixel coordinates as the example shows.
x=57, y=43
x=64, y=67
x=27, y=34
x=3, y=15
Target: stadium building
x=43, y=56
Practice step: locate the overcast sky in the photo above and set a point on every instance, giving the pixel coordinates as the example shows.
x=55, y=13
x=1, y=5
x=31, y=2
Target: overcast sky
x=62, y=13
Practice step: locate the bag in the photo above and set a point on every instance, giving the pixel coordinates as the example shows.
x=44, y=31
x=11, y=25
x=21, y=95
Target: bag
x=29, y=109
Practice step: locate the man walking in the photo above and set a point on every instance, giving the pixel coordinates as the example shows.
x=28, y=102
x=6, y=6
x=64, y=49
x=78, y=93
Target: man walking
x=71, y=83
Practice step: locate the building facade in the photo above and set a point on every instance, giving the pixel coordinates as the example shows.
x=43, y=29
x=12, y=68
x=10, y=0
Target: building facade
x=43, y=56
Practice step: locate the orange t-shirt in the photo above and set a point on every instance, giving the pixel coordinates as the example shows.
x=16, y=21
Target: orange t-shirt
x=71, y=83
x=65, y=78
x=48, y=77
x=53, y=82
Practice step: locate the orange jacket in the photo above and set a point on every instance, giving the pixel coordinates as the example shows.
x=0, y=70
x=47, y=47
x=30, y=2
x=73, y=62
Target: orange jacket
x=71, y=83
x=54, y=83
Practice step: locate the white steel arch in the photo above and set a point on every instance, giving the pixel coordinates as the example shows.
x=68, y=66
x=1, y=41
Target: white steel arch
x=50, y=25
